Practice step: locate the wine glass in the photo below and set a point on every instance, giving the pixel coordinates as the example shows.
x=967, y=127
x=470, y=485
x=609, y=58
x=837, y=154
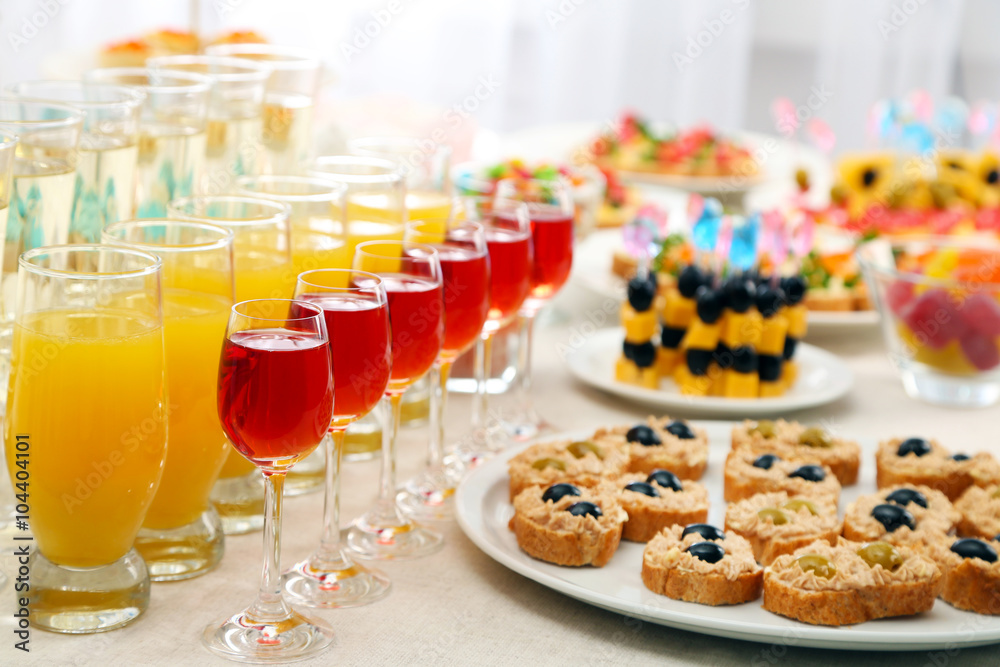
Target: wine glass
x=461, y=247
x=508, y=240
x=356, y=310
x=182, y=536
x=262, y=267
x=411, y=273
x=551, y=211
x=275, y=403
x=88, y=338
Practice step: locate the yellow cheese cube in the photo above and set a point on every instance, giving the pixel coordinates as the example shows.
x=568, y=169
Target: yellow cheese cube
x=740, y=385
x=691, y=385
x=742, y=329
x=678, y=311
x=789, y=374
x=626, y=371
x=715, y=376
x=701, y=336
x=772, y=338
x=639, y=327
x=649, y=378
x=666, y=360
x=771, y=389
x=797, y=323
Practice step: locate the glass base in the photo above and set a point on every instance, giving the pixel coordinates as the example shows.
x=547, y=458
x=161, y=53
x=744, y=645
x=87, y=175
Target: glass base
x=384, y=533
x=334, y=583
x=240, y=503
x=430, y=496
x=952, y=391
x=242, y=639
x=185, y=552
x=308, y=475
x=526, y=424
x=82, y=601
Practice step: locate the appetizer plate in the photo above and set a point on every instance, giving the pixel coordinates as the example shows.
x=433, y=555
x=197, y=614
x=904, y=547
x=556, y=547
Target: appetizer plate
x=592, y=271
x=823, y=378
x=483, y=511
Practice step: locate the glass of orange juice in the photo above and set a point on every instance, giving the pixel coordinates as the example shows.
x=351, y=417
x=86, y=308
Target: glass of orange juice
x=88, y=338
x=263, y=267
x=182, y=536
x=425, y=164
x=318, y=242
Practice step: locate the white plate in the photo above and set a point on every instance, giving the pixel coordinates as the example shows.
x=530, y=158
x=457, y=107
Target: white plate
x=483, y=512
x=592, y=260
x=823, y=378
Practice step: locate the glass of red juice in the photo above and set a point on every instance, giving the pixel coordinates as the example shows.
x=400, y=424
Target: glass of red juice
x=411, y=274
x=356, y=309
x=551, y=213
x=275, y=402
x=465, y=269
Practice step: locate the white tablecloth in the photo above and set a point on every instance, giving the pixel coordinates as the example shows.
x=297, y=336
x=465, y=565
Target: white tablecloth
x=460, y=607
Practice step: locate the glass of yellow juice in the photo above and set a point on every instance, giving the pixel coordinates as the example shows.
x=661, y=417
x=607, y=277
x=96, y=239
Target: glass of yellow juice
x=182, y=536
x=172, y=133
x=88, y=336
x=288, y=102
x=8, y=142
x=263, y=267
x=424, y=163
x=235, y=126
x=318, y=242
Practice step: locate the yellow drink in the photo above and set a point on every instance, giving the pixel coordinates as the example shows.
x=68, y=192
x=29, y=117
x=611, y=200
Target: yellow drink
x=194, y=326
x=262, y=273
x=427, y=205
x=87, y=390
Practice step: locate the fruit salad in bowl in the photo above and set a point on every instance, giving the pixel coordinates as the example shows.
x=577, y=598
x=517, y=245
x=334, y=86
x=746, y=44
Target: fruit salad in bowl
x=939, y=298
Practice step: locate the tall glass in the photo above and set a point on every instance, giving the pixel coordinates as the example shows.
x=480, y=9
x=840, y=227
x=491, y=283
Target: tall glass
x=356, y=310
x=172, y=136
x=235, y=122
x=288, y=103
x=465, y=269
x=550, y=209
x=262, y=264
x=7, y=144
x=88, y=338
x=425, y=165
x=104, y=191
x=507, y=229
x=317, y=212
x=275, y=403
x=411, y=273
x=182, y=535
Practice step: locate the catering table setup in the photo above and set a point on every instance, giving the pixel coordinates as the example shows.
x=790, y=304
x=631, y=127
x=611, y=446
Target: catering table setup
x=609, y=392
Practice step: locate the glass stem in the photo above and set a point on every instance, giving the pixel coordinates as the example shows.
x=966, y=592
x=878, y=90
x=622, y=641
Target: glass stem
x=483, y=363
x=439, y=400
x=393, y=410
x=329, y=545
x=525, y=323
x=270, y=607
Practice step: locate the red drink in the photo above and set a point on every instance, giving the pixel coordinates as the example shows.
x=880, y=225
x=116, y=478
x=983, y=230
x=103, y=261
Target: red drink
x=275, y=393
x=552, y=247
x=510, y=271
x=362, y=357
x=416, y=314
x=466, y=300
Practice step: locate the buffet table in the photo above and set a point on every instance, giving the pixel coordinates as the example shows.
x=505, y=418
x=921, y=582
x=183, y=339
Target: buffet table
x=460, y=607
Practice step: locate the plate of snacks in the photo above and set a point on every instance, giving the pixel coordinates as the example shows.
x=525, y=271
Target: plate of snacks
x=762, y=531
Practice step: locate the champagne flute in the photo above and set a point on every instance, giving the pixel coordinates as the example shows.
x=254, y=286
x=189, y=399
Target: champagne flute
x=275, y=403
x=93, y=315
x=551, y=211
x=182, y=536
x=172, y=135
x=105, y=172
x=461, y=246
x=288, y=101
x=356, y=309
x=411, y=273
x=262, y=265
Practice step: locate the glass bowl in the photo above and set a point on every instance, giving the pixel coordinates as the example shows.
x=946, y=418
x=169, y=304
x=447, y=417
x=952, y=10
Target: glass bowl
x=939, y=301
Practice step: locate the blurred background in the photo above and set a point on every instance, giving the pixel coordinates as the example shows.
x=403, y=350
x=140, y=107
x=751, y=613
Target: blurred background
x=506, y=65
